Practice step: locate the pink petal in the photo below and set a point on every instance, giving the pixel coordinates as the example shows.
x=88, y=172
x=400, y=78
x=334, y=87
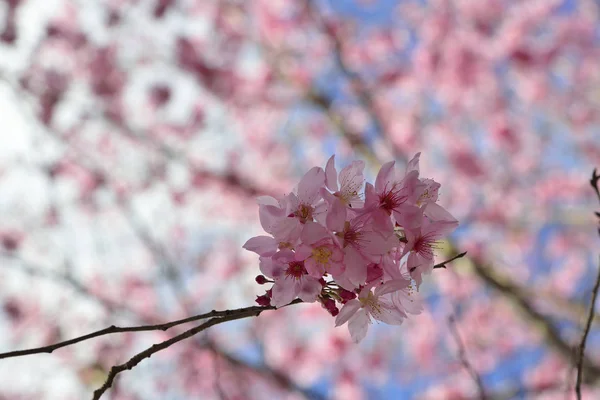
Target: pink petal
x=409, y=216
x=269, y=215
x=389, y=314
x=267, y=201
x=356, y=266
x=371, y=199
x=320, y=212
x=390, y=267
x=351, y=177
x=439, y=229
x=382, y=222
x=391, y=286
x=283, y=257
x=413, y=164
x=385, y=176
x=309, y=186
x=336, y=217
x=435, y=212
x=302, y=252
x=359, y=325
x=313, y=268
x=284, y=291
x=412, y=304
x=331, y=175
x=347, y=311
x=377, y=244
x=269, y=268
x=309, y=289
x=313, y=232
x=287, y=229
x=262, y=245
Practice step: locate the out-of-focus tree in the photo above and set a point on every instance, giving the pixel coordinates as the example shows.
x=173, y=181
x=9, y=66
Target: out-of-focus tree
x=137, y=133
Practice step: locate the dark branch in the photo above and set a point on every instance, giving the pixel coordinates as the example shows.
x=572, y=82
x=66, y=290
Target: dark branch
x=443, y=264
x=590, y=317
x=142, y=328
x=512, y=291
x=225, y=316
x=462, y=354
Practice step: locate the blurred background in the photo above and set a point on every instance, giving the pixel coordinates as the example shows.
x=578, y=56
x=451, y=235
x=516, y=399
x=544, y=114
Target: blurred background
x=136, y=135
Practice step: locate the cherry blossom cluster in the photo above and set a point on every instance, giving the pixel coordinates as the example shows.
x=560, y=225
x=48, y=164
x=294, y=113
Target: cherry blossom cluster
x=334, y=243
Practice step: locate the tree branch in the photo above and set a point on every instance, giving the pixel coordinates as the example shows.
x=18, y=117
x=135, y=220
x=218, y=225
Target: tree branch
x=254, y=310
x=462, y=354
x=135, y=360
x=517, y=295
x=590, y=317
x=443, y=264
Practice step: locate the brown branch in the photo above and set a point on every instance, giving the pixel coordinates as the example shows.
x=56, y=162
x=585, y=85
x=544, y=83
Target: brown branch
x=517, y=295
x=142, y=328
x=462, y=354
x=586, y=331
x=135, y=360
x=443, y=264
x=590, y=317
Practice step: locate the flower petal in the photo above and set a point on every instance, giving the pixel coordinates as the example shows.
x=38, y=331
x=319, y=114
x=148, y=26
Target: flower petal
x=309, y=289
x=331, y=175
x=437, y=213
x=385, y=176
x=309, y=186
x=262, y=245
x=313, y=232
x=413, y=164
x=391, y=286
x=347, y=311
x=284, y=291
x=336, y=217
x=359, y=325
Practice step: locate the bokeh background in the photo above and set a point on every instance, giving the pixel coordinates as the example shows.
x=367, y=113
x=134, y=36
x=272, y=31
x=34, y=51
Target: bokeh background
x=136, y=134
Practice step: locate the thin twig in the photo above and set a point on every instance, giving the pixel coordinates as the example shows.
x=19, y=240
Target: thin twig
x=158, y=327
x=586, y=331
x=462, y=354
x=135, y=360
x=443, y=264
x=590, y=317
x=517, y=294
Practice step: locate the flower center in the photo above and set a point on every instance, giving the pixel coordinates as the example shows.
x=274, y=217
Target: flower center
x=304, y=213
x=425, y=245
x=390, y=199
x=286, y=245
x=371, y=303
x=424, y=197
x=321, y=254
x=296, y=269
x=352, y=235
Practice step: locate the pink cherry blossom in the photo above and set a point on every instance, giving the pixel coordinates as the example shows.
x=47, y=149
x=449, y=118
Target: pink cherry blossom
x=291, y=279
x=421, y=243
x=376, y=304
x=319, y=252
x=351, y=181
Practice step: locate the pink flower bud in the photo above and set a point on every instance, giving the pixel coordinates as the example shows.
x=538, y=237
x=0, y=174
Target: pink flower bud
x=260, y=279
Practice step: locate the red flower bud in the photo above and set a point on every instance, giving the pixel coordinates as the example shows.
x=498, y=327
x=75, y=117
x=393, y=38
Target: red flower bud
x=263, y=300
